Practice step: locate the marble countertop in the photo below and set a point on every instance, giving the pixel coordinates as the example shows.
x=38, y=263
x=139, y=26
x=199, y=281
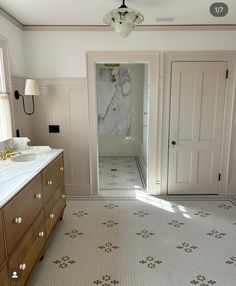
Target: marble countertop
x=15, y=175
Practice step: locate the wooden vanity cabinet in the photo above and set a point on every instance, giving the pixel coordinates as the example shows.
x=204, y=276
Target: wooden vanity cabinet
x=53, y=193
x=27, y=222
x=2, y=242
x=4, y=281
x=54, y=209
x=53, y=178
x=17, y=217
x=26, y=255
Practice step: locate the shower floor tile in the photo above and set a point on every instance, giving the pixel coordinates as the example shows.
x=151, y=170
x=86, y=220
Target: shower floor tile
x=119, y=173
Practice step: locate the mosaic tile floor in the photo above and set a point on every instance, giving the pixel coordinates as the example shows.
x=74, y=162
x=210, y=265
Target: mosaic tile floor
x=119, y=173
x=146, y=242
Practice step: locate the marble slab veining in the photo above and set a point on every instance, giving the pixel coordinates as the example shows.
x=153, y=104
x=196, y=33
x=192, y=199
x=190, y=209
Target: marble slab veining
x=114, y=101
x=15, y=175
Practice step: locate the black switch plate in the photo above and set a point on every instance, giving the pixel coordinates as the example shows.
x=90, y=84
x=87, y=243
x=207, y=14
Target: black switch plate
x=17, y=133
x=54, y=128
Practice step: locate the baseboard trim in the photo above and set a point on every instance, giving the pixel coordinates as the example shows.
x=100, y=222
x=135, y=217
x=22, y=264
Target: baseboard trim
x=77, y=190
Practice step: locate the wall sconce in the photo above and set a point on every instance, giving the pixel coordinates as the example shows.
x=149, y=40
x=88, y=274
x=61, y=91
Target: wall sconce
x=31, y=89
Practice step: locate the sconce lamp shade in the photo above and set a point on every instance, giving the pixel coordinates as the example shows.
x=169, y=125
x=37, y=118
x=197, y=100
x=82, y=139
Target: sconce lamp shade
x=31, y=87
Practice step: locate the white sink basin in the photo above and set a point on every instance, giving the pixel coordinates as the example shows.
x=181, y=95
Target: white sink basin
x=26, y=157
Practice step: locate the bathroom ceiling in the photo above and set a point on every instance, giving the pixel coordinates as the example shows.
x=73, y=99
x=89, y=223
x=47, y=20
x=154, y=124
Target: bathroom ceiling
x=91, y=12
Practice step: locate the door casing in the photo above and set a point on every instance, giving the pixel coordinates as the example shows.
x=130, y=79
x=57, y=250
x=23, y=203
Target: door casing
x=150, y=58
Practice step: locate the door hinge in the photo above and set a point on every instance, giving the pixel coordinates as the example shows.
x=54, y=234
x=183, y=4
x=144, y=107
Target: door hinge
x=219, y=178
x=227, y=74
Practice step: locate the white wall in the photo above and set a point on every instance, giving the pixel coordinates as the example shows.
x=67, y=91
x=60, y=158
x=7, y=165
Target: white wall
x=23, y=122
x=62, y=53
x=16, y=46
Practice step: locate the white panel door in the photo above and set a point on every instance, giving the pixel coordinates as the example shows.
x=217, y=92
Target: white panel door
x=196, y=127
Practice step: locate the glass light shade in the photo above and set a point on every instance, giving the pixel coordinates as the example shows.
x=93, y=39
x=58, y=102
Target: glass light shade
x=31, y=87
x=122, y=29
x=123, y=20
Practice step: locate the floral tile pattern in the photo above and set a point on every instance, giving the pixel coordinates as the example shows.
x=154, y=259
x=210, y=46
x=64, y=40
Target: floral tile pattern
x=216, y=234
x=187, y=247
x=74, y=233
x=151, y=262
x=80, y=213
x=111, y=206
x=106, y=280
x=176, y=223
x=119, y=173
x=108, y=247
x=110, y=223
x=202, y=281
x=174, y=241
x=64, y=262
x=232, y=260
x=225, y=206
x=145, y=233
x=201, y=214
x=141, y=213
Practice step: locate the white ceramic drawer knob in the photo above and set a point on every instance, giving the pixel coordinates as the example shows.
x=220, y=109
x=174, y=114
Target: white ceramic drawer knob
x=51, y=215
x=63, y=196
x=62, y=168
x=41, y=234
x=38, y=196
x=18, y=220
x=49, y=183
x=22, y=266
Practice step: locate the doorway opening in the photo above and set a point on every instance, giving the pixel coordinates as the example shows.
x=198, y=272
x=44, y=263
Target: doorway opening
x=150, y=61
x=122, y=126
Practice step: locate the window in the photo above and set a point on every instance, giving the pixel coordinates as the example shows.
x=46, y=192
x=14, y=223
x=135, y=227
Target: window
x=5, y=110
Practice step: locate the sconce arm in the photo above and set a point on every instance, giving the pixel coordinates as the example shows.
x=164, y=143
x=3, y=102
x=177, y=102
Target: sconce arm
x=18, y=95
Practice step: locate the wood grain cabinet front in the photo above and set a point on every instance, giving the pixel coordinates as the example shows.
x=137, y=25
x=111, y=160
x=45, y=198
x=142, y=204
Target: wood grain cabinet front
x=27, y=222
x=2, y=243
x=20, y=212
x=4, y=281
x=54, y=210
x=53, y=177
x=26, y=255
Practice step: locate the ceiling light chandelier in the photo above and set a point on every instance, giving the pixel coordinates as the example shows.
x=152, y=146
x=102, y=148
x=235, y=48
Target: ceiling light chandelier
x=123, y=19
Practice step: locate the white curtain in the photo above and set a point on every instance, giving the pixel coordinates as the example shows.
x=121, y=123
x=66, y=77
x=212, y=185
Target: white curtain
x=5, y=117
x=5, y=109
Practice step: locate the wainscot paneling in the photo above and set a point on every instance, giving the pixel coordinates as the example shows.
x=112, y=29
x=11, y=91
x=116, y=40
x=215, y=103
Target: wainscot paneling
x=64, y=102
x=232, y=166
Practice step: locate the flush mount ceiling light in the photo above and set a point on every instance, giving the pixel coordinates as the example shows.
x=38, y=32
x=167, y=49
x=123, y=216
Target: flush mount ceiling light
x=123, y=19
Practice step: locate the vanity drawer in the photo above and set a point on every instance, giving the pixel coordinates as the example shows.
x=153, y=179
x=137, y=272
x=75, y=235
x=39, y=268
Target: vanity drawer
x=54, y=209
x=28, y=252
x=53, y=177
x=2, y=244
x=4, y=281
x=20, y=212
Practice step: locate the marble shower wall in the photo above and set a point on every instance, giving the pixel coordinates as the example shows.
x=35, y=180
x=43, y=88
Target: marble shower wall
x=120, y=109
x=114, y=93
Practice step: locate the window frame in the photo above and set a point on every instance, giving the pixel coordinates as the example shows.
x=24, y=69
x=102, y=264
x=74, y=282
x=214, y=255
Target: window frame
x=6, y=66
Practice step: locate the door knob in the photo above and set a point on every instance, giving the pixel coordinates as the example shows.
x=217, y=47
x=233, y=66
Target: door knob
x=173, y=143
